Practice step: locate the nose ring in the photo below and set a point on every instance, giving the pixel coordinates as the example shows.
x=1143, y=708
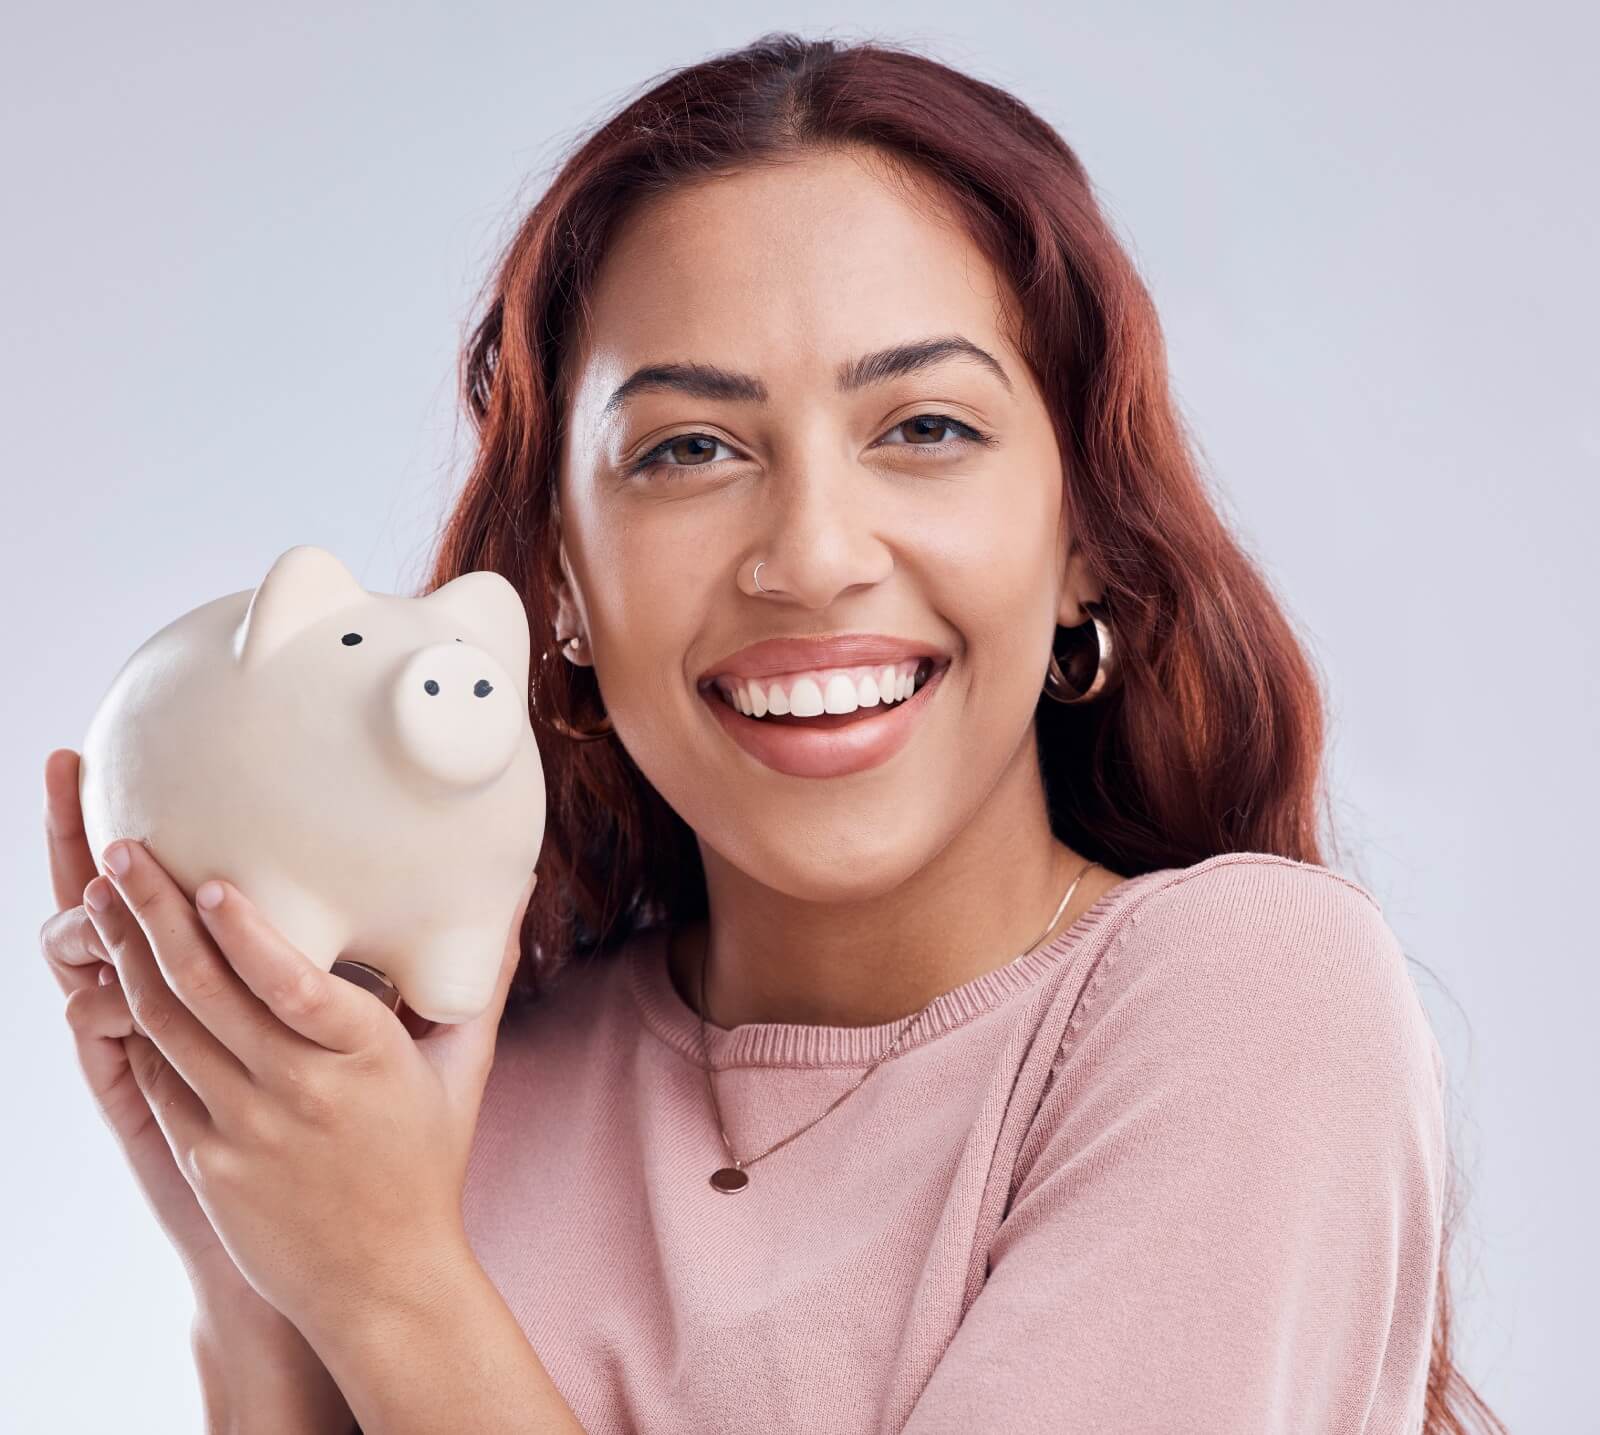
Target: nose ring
x=757, y=575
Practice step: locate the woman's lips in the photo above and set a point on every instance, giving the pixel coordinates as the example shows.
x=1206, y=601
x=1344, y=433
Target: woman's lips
x=831, y=744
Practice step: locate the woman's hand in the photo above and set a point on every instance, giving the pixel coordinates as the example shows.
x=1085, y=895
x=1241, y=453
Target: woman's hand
x=99, y=1017
x=229, y=1315
x=326, y=1146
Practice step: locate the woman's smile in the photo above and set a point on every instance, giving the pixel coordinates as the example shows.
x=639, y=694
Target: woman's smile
x=825, y=692
x=824, y=744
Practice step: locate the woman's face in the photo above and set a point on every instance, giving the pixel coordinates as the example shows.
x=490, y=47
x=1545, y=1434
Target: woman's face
x=873, y=505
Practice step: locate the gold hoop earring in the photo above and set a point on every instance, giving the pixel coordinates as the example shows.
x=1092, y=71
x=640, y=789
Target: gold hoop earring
x=555, y=720
x=1056, y=685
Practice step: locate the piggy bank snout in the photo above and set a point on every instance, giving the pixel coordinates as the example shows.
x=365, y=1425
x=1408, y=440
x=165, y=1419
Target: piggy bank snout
x=458, y=716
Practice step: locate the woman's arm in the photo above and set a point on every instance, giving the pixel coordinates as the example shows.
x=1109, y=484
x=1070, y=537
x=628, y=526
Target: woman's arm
x=256, y=1377
x=1227, y=1211
x=292, y=1125
x=451, y=1357
x=255, y=1369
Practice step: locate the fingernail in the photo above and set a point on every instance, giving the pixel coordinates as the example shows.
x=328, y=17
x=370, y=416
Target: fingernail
x=98, y=894
x=108, y=975
x=117, y=858
x=208, y=895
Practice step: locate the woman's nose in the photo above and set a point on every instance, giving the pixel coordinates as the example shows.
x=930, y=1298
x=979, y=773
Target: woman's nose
x=819, y=544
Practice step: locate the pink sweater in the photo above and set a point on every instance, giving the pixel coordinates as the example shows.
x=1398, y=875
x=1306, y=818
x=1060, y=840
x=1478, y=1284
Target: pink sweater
x=1181, y=1169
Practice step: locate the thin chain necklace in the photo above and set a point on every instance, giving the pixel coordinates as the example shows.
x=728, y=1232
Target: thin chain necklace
x=734, y=1178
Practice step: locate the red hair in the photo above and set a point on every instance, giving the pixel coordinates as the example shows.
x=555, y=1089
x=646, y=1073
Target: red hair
x=1212, y=739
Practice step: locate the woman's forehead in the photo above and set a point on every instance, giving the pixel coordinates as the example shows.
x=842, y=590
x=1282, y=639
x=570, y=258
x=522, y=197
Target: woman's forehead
x=765, y=256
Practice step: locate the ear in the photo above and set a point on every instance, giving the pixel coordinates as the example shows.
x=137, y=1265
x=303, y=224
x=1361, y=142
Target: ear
x=1079, y=586
x=491, y=613
x=305, y=585
x=569, y=619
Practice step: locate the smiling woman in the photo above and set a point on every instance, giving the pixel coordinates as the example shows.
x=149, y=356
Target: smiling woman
x=906, y=704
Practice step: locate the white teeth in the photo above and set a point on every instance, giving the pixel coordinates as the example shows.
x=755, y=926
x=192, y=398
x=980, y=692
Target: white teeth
x=830, y=690
x=805, y=698
x=841, y=696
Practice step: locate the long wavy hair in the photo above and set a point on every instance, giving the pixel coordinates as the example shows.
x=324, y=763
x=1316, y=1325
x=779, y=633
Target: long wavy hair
x=1211, y=741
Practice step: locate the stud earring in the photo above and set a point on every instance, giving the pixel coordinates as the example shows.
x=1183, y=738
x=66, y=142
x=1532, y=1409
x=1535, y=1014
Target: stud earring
x=554, y=719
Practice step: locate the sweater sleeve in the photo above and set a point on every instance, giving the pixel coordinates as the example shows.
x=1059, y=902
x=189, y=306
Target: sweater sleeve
x=1225, y=1218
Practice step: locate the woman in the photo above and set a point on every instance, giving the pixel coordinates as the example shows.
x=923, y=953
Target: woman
x=934, y=1013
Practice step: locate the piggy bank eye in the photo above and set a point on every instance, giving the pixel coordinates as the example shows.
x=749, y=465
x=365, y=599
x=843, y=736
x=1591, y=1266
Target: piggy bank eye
x=350, y=639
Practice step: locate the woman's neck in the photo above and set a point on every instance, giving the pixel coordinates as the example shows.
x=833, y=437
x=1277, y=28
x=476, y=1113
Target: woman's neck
x=981, y=901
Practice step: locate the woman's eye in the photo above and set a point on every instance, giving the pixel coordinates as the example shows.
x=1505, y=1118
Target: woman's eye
x=654, y=459
x=922, y=426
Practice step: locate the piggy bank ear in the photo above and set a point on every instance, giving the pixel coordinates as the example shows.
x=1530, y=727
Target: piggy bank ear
x=491, y=614
x=303, y=586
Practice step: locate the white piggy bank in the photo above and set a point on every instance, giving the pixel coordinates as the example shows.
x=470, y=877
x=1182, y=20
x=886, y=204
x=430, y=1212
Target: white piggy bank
x=361, y=766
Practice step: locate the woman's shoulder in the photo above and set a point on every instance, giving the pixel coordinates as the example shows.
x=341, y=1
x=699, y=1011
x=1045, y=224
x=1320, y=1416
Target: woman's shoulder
x=1250, y=1009
x=1252, y=949
x=1263, y=874
x=1243, y=909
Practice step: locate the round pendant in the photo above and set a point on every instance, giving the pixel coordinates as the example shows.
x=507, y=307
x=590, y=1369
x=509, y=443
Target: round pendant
x=729, y=1179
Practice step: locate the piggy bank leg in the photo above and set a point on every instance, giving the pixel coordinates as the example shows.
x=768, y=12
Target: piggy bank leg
x=303, y=920
x=450, y=977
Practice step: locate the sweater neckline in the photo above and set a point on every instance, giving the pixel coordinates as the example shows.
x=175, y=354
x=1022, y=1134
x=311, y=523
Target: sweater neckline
x=780, y=1044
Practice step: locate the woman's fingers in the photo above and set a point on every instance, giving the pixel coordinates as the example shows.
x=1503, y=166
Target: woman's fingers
x=282, y=988
x=72, y=949
x=67, y=939
x=101, y=1010
x=244, y=985
x=71, y=862
x=182, y=1044
x=99, y=1018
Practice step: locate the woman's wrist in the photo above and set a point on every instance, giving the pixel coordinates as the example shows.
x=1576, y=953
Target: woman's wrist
x=257, y=1372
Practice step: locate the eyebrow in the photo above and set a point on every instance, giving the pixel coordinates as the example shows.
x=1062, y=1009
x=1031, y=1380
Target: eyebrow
x=707, y=381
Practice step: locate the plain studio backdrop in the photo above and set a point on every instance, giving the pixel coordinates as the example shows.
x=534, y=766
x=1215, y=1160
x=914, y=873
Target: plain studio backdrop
x=239, y=252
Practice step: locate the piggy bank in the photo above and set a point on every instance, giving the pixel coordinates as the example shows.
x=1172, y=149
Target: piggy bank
x=362, y=766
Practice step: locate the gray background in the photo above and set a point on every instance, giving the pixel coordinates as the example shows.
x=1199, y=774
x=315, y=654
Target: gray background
x=240, y=248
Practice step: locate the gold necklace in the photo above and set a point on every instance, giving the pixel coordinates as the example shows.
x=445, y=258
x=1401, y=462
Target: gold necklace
x=734, y=1178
